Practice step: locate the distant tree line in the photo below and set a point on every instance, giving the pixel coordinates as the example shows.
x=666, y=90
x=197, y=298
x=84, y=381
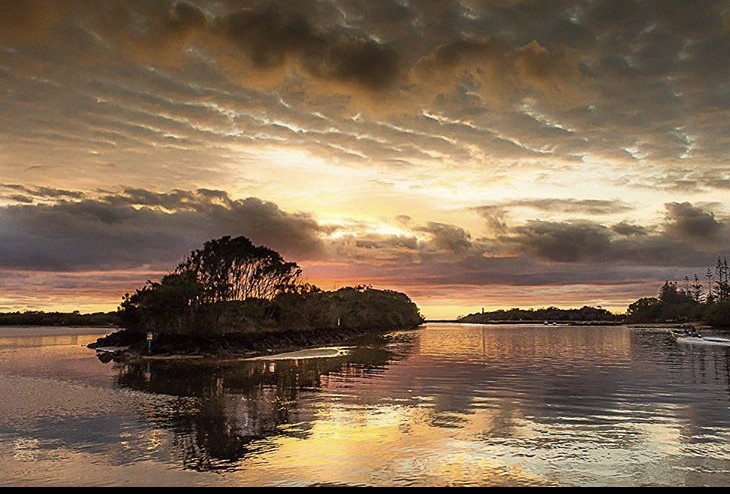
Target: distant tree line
x=233, y=286
x=551, y=314
x=37, y=318
x=707, y=301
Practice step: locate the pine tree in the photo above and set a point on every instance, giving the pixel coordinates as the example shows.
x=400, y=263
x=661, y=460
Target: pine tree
x=697, y=290
x=722, y=280
x=710, y=277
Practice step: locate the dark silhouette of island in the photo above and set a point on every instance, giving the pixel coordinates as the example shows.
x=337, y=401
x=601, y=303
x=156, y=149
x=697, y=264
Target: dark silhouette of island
x=232, y=296
x=586, y=315
x=697, y=302
x=38, y=318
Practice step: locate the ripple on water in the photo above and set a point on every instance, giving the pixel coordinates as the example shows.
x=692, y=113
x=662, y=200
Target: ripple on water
x=447, y=405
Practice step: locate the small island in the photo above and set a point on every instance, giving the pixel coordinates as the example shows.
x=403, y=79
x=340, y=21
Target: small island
x=235, y=298
x=589, y=316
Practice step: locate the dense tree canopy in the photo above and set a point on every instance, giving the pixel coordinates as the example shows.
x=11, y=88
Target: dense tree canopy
x=233, y=286
x=709, y=302
x=234, y=269
x=586, y=314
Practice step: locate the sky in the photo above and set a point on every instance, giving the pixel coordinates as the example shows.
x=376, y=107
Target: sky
x=472, y=153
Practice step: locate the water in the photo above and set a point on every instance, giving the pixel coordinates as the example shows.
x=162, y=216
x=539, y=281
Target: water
x=446, y=405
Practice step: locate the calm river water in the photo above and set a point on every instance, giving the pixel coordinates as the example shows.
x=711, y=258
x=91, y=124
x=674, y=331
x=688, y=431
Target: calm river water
x=445, y=405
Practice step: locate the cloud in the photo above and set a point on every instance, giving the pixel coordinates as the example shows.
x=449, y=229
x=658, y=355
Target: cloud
x=143, y=229
x=27, y=19
x=515, y=80
x=628, y=229
x=563, y=242
x=139, y=227
x=692, y=223
x=690, y=236
x=42, y=193
x=271, y=38
x=446, y=238
x=425, y=106
x=503, y=74
x=590, y=207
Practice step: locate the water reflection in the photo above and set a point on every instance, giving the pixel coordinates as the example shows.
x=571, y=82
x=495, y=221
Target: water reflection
x=235, y=405
x=447, y=405
x=605, y=400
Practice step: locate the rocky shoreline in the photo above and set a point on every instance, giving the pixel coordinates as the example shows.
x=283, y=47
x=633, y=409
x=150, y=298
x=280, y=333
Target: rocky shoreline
x=128, y=344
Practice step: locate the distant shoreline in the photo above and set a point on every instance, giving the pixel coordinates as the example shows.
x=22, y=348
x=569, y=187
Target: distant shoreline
x=70, y=326
x=504, y=323
x=60, y=319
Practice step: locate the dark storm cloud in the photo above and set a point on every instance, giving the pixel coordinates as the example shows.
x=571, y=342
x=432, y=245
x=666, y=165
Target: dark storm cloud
x=690, y=236
x=142, y=228
x=269, y=38
x=632, y=83
x=563, y=242
x=145, y=230
x=692, y=223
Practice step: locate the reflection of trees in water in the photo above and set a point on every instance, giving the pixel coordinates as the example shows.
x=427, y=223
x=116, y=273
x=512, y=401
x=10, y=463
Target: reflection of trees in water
x=695, y=391
x=704, y=369
x=612, y=385
x=225, y=410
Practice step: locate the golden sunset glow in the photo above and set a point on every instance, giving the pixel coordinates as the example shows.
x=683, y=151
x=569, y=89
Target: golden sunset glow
x=472, y=153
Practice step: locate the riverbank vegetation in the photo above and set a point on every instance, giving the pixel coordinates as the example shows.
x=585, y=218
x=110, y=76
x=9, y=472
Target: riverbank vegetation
x=698, y=300
x=37, y=318
x=551, y=314
x=233, y=290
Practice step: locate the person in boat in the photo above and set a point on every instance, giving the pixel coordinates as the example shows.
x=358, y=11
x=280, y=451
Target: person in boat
x=687, y=333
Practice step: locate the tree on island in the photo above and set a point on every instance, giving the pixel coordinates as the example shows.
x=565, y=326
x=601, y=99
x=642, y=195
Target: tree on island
x=234, y=269
x=224, y=270
x=232, y=286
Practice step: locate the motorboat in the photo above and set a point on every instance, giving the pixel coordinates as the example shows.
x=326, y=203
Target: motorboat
x=693, y=337
x=698, y=340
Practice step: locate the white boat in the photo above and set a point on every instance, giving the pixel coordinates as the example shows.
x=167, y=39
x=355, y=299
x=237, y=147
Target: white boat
x=695, y=340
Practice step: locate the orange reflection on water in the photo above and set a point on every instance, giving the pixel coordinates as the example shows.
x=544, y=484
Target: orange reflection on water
x=446, y=405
